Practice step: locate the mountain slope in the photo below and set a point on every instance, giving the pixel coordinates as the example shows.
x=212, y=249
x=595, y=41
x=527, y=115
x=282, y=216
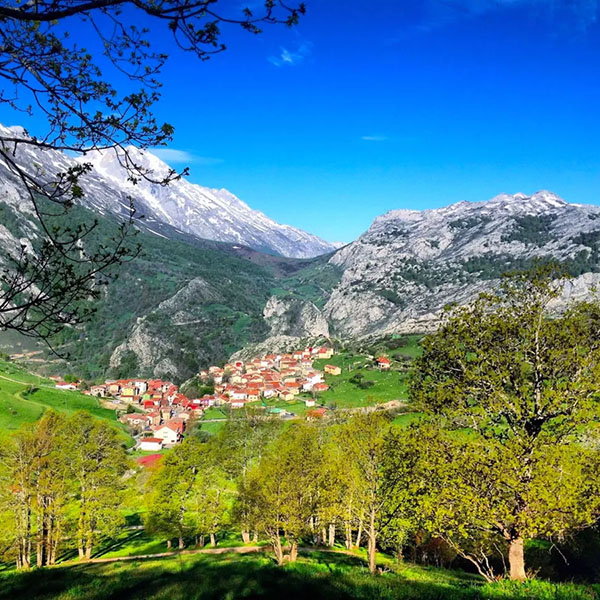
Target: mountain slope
x=180, y=207
x=399, y=275
x=201, y=211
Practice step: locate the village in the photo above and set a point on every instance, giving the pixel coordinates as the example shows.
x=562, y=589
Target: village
x=158, y=414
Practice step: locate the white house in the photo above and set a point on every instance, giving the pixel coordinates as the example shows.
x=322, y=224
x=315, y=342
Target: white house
x=63, y=385
x=169, y=435
x=239, y=395
x=151, y=444
x=237, y=403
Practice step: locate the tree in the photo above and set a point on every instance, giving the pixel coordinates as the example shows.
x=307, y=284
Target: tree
x=34, y=490
x=240, y=445
x=45, y=285
x=363, y=438
x=169, y=492
x=518, y=392
x=97, y=462
x=208, y=503
x=280, y=495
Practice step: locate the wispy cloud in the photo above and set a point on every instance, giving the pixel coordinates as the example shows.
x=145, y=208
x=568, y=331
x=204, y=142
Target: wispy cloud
x=295, y=56
x=374, y=138
x=431, y=15
x=174, y=156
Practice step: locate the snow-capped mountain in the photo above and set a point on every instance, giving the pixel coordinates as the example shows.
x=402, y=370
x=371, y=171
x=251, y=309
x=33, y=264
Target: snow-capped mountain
x=195, y=210
x=409, y=264
x=201, y=211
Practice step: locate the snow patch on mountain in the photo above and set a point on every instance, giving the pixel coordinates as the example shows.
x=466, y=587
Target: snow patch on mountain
x=208, y=213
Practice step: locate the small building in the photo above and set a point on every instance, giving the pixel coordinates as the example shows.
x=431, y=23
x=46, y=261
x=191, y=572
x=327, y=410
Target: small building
x=238, y=403
x=383, y=362
x=136, y=420
x=316, y=413
x=310, y=402
x=325, y=352
x=63, y=385
x=168, y=433
x=98, y=390
x=151, y=444
x=332, y=370
x=320, y=387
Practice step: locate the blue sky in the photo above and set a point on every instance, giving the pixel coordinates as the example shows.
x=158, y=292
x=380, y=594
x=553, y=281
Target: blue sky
x=372, y=106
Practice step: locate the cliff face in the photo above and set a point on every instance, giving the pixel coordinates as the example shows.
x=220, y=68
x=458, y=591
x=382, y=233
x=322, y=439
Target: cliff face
x=399, y=275
x=294, y=317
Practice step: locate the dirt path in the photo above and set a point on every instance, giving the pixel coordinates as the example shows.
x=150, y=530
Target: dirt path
x=233, y=550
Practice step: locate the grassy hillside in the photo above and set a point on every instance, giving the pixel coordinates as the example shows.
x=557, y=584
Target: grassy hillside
x=24, y=397
x=315, y=576
x=361, y=383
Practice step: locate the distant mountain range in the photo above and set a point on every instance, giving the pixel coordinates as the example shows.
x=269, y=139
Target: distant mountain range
x=192, y=209
x=188, y=301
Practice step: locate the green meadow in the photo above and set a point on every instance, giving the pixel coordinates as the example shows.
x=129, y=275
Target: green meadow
x=24, y=397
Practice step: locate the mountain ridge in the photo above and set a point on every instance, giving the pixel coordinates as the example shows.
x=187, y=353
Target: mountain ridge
x=202, y=212
x=187, y=302
x=205, y=212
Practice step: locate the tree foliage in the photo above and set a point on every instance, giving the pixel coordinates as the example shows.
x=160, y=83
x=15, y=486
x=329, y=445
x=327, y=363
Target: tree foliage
x=513, y=393
x=61, y=479
x=45, y=72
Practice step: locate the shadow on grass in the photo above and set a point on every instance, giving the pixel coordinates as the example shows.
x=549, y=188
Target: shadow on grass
x=322, y=576
x=318, y=576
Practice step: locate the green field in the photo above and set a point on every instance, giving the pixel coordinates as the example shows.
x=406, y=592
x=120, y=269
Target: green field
x=318, y=575
x=24, y=397
x=343, y=393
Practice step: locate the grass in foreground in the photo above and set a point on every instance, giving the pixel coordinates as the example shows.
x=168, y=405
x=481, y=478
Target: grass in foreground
x=318, y=576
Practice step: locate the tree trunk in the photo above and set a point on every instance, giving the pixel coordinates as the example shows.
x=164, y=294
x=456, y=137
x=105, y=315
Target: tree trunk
x=246, y=537
x=358, y=535
x=255, y=537
x=169, y=545
x=323, y=536
x=331, y=541
x=372, y=545
x=88, y=550
x=39, y=546
x=294, y=551
x=80, y=549
x=277, y=549
x=40, y=552
x=516, y=560
x=348, y=529
x=213, y=540
x=180, y=543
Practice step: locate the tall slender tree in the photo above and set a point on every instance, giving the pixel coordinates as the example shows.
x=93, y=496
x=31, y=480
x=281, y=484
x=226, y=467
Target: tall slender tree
x=97, y=462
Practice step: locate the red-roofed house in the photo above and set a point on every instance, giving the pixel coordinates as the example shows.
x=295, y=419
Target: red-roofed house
x=383, y=362
x=320, y=387
x=63, y=385
x=316, y=413
x=151, y=444
x=325, y=352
